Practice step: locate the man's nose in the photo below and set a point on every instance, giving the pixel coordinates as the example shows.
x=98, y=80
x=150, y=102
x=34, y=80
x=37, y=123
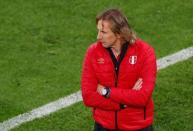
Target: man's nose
x=99, y=36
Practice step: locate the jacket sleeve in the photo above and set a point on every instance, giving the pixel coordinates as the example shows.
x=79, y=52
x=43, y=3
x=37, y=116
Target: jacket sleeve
x=141, y=97
x=89, y=84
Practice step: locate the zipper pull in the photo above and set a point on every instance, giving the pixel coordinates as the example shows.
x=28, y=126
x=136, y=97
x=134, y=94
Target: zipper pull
x=116, y=68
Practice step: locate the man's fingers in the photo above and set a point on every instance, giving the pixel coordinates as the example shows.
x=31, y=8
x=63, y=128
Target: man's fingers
x=138, y=84
x=137, y=87
x=99, y=88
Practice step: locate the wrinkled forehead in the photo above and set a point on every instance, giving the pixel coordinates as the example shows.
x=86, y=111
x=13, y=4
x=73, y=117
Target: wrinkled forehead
x=103, y=24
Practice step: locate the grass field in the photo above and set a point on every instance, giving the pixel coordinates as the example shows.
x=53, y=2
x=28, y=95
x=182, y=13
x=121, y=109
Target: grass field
x=42, y=45
x=173, y=106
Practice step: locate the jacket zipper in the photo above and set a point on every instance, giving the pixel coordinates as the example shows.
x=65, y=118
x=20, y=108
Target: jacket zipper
x=116, y=79
x=144, y=113
x=116, y=75
x=116, y=66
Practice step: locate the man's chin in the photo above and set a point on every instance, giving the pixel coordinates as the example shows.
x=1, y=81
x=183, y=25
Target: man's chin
x=104, y=45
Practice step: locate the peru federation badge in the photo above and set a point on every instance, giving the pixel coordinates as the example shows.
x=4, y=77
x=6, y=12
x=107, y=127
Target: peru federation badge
x=133, y=59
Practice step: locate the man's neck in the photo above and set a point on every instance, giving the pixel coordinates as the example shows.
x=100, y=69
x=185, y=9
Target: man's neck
x=116, y=51
x=117, y=48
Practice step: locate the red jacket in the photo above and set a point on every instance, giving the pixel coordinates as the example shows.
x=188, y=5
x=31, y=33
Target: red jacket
x=139, y=62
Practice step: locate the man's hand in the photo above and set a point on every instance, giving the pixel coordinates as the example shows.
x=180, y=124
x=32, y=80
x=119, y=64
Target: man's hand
x=99, y=89
x=138, y=84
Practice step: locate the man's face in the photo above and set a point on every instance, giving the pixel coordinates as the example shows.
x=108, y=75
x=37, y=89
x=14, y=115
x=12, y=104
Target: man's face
x=105, y=34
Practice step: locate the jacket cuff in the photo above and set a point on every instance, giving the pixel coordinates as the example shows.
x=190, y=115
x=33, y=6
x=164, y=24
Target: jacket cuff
x=113, y=92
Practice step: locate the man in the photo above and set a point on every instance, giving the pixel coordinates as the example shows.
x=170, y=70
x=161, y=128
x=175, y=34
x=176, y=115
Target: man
x=118, y=76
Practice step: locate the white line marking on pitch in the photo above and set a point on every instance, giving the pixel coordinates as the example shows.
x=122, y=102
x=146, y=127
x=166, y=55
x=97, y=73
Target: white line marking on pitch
x=76, y=97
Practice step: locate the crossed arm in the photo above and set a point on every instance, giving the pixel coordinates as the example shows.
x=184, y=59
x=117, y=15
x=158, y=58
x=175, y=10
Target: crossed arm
x=139, y=95
x=142, y=91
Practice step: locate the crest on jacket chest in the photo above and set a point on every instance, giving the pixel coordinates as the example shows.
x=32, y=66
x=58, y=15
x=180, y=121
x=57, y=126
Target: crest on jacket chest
x=133, y=59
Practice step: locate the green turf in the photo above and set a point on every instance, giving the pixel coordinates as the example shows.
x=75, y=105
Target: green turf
x=173, y=98
x=173, y=106
x=42, y=43
x=74, y=118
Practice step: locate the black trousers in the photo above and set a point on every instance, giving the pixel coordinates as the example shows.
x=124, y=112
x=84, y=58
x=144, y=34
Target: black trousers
x=98, y=127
